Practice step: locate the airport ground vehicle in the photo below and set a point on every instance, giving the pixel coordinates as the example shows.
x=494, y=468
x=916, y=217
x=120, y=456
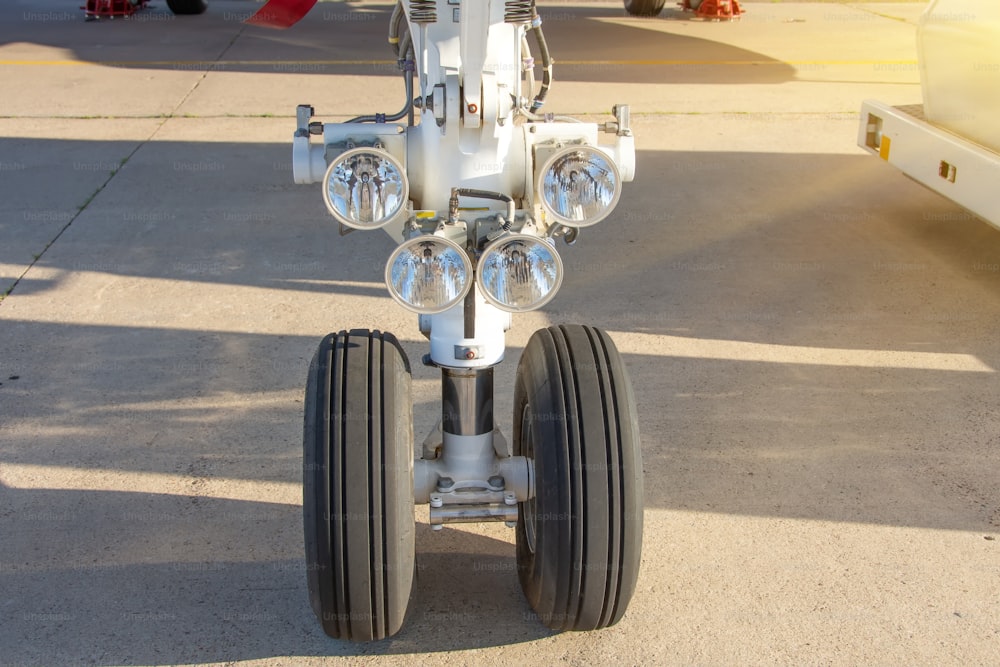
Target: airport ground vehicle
x=951, y=142
x=477, y=185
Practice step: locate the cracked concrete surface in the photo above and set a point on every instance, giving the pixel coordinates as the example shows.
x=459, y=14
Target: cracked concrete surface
x=811, y=337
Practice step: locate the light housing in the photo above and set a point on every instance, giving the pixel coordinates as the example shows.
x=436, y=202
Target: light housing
x=579, y=186
x=519, y=272
x=365, y=188
x=428, y=274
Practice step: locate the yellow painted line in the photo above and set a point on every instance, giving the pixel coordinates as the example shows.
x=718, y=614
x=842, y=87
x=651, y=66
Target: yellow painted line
x=227, y=63
x=735, y=62
x=188, y=63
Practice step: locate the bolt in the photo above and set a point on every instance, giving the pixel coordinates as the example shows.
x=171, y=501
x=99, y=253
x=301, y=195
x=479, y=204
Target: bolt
x=436, y=501
x=510, y=524
x=437, y=526
x=510, y=499
x=446, y=484
x=496, y=482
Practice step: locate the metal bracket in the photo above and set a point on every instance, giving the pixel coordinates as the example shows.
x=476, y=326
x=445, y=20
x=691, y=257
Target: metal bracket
x=303, y=114
x=437, y=104
x=622, y=117
x=472, y=501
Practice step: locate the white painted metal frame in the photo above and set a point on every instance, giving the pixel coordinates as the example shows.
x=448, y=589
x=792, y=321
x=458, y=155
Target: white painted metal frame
x=469, y=70
x=952, y=166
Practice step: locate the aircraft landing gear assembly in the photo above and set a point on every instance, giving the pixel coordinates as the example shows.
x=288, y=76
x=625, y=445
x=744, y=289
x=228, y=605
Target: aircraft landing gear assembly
x=572, y=488
x=475, y=195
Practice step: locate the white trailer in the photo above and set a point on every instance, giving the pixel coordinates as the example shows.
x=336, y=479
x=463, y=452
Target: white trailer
x=951, y=142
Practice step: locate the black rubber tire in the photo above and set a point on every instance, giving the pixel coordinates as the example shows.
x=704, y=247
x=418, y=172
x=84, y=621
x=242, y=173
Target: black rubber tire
x=187, y=6
x=579, y=540
x=357, y=504
x=644, y=7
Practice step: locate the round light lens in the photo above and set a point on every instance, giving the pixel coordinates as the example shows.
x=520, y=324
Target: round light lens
x=519, y=272
x=365, y=188
x=428, y=274
x=579, y=186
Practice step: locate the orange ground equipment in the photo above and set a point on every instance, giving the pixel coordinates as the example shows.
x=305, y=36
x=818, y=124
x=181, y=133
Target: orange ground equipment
x=715, y=10
x=95, y=9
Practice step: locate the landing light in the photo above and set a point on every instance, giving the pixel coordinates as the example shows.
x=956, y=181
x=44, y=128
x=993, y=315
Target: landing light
x=429, y=274
x=365, y=188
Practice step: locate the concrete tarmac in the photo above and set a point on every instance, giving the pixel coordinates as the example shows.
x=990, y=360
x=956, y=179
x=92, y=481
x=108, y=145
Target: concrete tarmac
x=811, y=336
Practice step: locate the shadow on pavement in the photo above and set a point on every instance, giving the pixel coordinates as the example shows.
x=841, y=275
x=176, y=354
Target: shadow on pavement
x=342, y=38
x=143, y=370
x=173, y=579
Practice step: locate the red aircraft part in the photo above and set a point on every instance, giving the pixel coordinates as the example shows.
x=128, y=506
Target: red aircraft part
x=113, y=8
x=281, y=14
x=715, y=9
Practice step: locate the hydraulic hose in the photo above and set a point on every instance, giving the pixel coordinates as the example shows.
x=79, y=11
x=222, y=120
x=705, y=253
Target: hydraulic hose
x=394, y=22
x=407, y=110
x=478, y=194
x=546, y=59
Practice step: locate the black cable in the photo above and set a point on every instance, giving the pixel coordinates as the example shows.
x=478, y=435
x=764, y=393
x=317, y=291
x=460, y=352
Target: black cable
x=407, y=67
x=546, y=60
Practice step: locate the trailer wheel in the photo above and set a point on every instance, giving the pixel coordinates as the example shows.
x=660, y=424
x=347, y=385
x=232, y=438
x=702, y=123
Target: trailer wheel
x=644, y=7
x=579, y=539
x=358, y=485
x=187, y=6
